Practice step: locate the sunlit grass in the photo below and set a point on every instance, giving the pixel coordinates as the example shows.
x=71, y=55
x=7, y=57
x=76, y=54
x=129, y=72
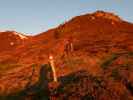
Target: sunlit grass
x=7, y=66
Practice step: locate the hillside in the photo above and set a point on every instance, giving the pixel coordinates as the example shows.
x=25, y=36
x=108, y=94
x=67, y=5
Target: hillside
x=9, y=40
x=102, y=49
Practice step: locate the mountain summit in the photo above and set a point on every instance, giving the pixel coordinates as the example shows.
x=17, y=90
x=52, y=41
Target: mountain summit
x=107, y=15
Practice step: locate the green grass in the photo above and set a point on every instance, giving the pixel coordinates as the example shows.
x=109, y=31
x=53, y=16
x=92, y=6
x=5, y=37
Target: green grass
x=107, y=62
x=127, y=65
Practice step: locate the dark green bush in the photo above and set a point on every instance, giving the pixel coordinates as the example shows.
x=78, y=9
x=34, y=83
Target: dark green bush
x=106, y=63
x=130, y=53
x=115, y=74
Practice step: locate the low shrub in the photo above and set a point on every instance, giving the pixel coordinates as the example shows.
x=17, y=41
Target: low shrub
x=106, y=63
x=115, y=74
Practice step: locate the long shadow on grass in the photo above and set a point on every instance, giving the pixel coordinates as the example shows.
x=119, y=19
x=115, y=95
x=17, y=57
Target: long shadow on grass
x=39, y=91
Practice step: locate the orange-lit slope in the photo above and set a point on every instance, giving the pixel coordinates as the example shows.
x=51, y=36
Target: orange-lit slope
x=9, y=40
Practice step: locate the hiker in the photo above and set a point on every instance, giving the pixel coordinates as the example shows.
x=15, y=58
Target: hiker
x=68, y=48
x=43, y=83
x=52, y=63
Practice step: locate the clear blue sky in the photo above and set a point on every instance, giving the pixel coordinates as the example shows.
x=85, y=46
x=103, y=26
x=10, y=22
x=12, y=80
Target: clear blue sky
x=35, y=16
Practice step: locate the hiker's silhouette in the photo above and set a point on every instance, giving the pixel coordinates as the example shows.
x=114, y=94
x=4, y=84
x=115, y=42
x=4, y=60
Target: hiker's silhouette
x=43, y=78
x=38, y=91
x=43, y=81
x=41, y=90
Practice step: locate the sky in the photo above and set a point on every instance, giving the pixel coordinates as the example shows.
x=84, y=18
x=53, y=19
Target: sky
x=36, y=16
